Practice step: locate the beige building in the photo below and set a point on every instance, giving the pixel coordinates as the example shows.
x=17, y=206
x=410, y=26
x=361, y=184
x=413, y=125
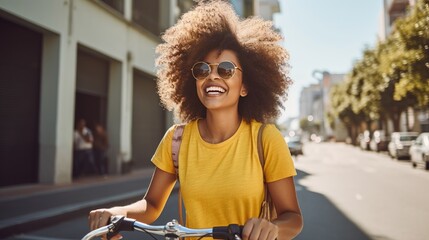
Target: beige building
x=62, y=60
x=392, y=9
x=314, y=103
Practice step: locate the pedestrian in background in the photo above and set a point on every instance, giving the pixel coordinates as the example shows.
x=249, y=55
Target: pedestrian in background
x=224, y=77
x=83, y=158
x=101, y=144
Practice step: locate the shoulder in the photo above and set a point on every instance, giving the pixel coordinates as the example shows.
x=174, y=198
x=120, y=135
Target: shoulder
x=183, y=126
x=268, y=129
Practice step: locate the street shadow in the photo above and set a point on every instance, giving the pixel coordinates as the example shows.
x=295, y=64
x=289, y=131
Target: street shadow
x=322, y=219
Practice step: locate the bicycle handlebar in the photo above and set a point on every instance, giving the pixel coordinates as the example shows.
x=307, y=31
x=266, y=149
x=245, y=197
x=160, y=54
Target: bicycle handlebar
x=171, y=230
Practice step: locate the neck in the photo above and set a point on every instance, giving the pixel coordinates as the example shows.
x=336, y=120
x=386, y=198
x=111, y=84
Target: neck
x=219, y=127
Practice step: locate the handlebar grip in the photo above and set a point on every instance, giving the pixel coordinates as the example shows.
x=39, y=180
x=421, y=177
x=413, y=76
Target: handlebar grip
x=228, y=232
x=120, y=223
x=220, y=232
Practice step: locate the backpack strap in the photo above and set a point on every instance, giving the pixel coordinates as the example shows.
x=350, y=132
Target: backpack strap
x=268, y=211
x=175, y=148
x=261, y=147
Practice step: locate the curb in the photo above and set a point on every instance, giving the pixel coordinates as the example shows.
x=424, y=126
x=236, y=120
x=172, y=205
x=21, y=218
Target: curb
x=44, y=218
x=47, y=217
x=41, y=219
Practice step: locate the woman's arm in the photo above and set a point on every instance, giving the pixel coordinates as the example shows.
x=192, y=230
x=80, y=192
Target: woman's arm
x=159, y=190
x=289, y=219
x=145, y=210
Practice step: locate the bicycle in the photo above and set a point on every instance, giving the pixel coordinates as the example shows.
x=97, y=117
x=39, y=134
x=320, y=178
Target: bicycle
x=171, y=231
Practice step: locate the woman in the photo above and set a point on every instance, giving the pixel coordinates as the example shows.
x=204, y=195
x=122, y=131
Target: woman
x=101, y=144
x=224, y=77
x=83, y=155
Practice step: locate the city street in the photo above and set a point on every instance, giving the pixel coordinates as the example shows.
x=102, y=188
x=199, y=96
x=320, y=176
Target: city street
x=91, y=89
x=344, y=193
x=345, y=188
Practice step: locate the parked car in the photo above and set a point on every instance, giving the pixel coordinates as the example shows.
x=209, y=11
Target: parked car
x=379, y=141
x=364, y=140
x=295, y=146
x=419, y=151
x=400, y=142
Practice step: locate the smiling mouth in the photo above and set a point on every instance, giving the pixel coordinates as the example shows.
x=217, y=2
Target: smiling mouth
x=215, y=90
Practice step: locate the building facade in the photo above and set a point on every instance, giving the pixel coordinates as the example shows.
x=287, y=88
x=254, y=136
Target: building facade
x=72, y=59
x=392, y=9
x=93, y=59
x=314, y=104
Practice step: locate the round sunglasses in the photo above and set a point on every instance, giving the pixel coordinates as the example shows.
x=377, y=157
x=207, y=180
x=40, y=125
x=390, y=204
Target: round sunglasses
x=225, y=69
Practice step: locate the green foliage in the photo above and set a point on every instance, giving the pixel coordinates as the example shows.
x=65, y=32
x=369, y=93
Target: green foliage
x=405, y=59
x=342, y=102
x=368, y=79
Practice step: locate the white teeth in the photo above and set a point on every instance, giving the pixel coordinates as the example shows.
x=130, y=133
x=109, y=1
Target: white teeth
x=215, y=89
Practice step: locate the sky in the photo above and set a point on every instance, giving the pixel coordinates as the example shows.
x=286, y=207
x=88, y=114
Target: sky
x=326, y=35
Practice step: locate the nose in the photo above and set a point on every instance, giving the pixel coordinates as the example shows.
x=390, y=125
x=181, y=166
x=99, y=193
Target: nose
x=213, y=72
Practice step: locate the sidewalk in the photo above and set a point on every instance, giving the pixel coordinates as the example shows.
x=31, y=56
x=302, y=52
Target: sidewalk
x=33, y=206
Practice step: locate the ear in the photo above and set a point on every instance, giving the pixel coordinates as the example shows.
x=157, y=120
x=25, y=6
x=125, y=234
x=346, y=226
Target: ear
x=243, y=91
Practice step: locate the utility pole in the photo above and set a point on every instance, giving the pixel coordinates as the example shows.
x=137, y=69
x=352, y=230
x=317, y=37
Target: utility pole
x=319, y=76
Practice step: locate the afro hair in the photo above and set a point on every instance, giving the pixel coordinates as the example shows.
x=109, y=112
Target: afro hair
x=214, y=25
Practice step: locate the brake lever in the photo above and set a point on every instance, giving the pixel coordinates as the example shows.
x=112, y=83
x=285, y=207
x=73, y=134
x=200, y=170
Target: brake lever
x=235, y=230
x=118, y=224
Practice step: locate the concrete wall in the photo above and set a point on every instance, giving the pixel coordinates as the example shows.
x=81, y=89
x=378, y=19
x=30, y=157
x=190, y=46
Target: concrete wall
x=67, y=26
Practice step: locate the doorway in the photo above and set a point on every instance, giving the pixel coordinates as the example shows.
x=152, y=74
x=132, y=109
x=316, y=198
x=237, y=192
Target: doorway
x=20, y=70
x=92, y=76
x=148, y=122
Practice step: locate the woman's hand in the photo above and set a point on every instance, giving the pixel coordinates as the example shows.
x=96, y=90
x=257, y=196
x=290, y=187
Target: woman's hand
x=259, y=229
x=101, y=217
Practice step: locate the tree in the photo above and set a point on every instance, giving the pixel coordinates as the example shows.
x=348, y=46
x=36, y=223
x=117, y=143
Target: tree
x=389, y=78
x=370, y=84
x=409, y=58
x=342, y=107
x=404, y=63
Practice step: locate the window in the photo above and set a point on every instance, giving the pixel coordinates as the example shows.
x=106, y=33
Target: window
x=244, y=8
x=147, y=15
x=117, y=5
x=184, y=6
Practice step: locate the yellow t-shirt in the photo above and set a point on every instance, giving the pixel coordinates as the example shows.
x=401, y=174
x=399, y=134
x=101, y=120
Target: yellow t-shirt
x=223, y=183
